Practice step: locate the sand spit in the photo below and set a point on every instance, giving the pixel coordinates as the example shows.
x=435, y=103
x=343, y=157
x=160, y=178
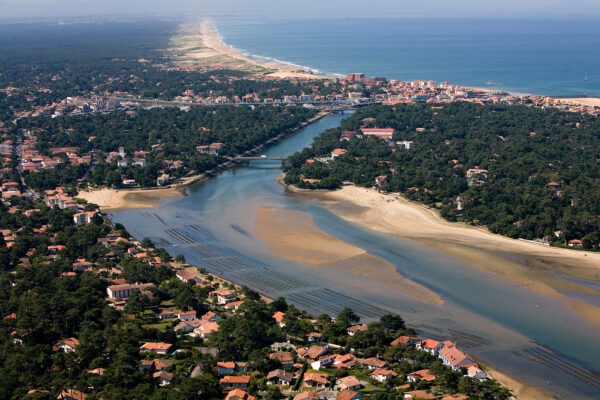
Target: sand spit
x=111, y=200
x=200, y=44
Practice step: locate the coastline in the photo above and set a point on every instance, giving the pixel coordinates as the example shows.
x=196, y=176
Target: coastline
x=529, y=265
x=199, y=43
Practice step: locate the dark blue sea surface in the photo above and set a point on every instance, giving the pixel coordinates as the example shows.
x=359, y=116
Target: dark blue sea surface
x=526, y=56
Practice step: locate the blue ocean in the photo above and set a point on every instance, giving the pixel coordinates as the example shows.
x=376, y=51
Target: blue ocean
x=549, y=57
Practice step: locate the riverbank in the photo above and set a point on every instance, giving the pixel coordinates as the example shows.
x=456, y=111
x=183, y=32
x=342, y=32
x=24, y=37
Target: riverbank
x=532, y=266
x=199, y=43
x=115, y=200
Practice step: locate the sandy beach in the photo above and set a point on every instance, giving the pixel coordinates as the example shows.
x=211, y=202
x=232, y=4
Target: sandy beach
x=518, y=389
x=294, y=236
x=533, y=266
x=200, y=44
x=111, y=200
x=584, y=101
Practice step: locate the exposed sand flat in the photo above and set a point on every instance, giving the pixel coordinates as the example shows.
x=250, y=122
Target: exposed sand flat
x=533, y=266
x=111, y=200
x=200, y=44
x=294, y=236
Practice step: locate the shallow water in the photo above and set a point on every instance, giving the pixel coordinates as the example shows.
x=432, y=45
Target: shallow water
x=489, y=318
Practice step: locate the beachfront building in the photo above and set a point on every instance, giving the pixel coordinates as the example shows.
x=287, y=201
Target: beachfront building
x=431, y=346
x=454, y=358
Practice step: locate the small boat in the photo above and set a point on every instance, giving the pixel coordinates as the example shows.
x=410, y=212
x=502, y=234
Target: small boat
x=586, y=78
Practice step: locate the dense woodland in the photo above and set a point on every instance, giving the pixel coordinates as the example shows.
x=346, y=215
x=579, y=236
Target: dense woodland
x=47, y=63
x=523, y=149
x=176, y=131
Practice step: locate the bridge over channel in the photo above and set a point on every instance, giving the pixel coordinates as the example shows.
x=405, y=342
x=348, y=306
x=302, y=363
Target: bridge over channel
x=249, y=158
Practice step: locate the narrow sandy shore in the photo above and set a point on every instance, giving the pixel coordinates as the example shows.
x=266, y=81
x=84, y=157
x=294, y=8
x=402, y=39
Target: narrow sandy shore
x=200, y=44
x=519, y=389
x=584, y=101
x=533, y=266
x=112, y=200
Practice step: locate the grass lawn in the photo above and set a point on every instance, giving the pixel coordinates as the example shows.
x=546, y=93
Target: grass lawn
x=370, y=388
x=161, y=326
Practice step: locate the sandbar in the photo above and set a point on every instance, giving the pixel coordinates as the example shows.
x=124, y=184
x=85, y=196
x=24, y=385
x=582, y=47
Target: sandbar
x=533, y=266
x=294, y=236
x=113, y=200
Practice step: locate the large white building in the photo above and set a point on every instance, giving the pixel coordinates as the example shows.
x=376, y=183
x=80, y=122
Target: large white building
x=125, y=290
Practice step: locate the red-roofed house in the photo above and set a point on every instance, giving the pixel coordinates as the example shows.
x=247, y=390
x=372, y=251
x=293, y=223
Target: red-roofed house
x=454, y=358
x=349, y=395
x=337, y=152
x=278, y=318
x=157, y=347
x=313, y=379
x=372, y=363
x=223, y=296
x=234, y=305
x=383, y=375
x=230, y=367
x=422, y=375
x=313, y=353
x=284, y=357
x=235, y=382
x=404, y=341
x=307, y=396
x=187, y=316
x=380, y=133
x=164, y=378
x=356, y=328
x=66, y=346
x=238, y=394
x=279, y=377
x=210, y=317
x=418, y=394
x=431, y=346
x=348, y=382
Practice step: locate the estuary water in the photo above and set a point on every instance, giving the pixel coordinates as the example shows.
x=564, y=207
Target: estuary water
x=545, y=57
x=527, y=335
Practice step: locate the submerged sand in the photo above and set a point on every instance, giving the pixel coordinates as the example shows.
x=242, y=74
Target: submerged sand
x=200, y=44
x=112, y=200
x=530, y=265
x=293, y=235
